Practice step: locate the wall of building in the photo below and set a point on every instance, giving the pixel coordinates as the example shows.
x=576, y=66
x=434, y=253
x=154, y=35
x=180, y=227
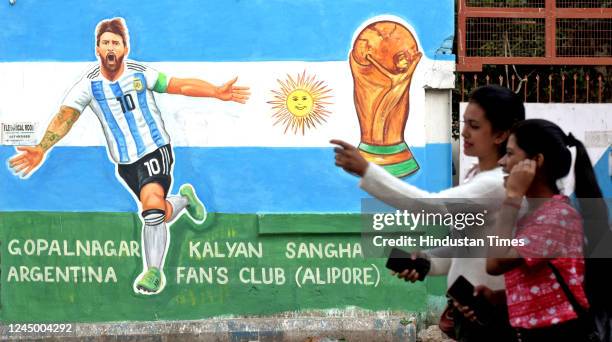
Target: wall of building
x=282, y=235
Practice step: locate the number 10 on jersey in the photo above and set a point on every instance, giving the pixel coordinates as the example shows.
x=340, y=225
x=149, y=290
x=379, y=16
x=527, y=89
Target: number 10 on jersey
x=126, y=102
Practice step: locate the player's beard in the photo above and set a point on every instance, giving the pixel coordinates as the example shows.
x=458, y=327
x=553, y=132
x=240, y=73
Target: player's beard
x=112, y=62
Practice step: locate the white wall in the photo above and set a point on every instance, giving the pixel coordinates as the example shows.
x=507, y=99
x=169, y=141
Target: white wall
x=590, y=123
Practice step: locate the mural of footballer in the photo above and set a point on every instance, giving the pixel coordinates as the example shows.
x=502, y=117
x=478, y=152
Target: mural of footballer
x=120, y=94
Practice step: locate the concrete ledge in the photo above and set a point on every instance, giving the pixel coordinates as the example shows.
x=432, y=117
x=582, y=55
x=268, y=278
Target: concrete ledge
x=373, y=327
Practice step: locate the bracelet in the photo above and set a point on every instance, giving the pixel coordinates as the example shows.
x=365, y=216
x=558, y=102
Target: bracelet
x=512, y=203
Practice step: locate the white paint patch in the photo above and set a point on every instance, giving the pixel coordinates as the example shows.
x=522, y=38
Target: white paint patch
x=598, y=139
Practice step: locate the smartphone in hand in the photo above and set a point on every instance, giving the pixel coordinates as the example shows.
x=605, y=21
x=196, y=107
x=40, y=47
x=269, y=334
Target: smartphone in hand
x=462, y=291
x=399, y=261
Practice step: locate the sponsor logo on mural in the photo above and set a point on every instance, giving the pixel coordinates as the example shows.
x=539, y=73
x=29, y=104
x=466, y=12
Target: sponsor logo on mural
x=18, y=133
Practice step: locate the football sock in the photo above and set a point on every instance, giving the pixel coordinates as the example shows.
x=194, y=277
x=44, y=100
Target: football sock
x=155, y=236
x=178, y=203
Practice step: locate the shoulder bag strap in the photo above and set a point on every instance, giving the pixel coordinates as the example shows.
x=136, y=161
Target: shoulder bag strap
x=580, y=311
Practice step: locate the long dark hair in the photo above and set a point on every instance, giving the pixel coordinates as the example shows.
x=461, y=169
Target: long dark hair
x=538, y=136
x=541, y=136
x=502, y=107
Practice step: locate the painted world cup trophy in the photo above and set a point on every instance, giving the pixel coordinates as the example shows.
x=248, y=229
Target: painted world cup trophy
x=383, y=59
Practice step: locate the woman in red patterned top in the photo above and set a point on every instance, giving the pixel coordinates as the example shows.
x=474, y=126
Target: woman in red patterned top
x=544, y=271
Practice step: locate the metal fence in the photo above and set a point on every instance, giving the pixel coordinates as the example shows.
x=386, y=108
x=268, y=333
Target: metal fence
x=515, y=37
x=533, y=32
x=506, y=3
x=584, y=3
x=584, y=37
x=553, y=87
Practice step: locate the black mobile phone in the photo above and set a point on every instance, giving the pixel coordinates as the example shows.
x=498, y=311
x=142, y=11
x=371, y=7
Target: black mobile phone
x=462, y=291
x=399, y=261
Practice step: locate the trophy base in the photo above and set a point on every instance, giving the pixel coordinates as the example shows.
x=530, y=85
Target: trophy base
x=396, y=159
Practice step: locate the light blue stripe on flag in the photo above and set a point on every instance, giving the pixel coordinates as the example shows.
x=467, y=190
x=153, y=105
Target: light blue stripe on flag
x=98, y=92
x=129, y=116
x=144, y=107
x=84, y=179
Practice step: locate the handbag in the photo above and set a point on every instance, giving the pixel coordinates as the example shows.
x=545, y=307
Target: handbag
x=583, y=315
x=447, y=321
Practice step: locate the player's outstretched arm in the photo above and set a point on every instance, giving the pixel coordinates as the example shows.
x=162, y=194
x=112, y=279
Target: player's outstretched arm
x=30, y=157
x=199, y=88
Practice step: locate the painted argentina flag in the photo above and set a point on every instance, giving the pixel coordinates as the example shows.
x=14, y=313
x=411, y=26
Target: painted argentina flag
x=372, y=73
x=245, y=158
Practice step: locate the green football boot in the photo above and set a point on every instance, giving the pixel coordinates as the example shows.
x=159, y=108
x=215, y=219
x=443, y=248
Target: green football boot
x=196, y=208
x=150, y=281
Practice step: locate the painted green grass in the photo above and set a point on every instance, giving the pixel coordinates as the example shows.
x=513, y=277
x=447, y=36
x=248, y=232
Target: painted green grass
x=95, y=302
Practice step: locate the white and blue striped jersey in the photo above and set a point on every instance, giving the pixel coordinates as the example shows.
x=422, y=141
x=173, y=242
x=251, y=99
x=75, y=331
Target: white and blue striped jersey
x=126, y=109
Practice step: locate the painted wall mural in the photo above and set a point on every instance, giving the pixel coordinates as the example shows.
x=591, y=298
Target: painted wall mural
x=136, y=138
x=173, y=162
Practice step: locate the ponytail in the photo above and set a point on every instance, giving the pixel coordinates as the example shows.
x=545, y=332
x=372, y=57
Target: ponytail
x=596, y=225
x=593, y=208
x=586, y=182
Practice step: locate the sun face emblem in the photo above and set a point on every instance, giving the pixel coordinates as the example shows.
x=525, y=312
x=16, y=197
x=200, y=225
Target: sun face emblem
x=300, y=103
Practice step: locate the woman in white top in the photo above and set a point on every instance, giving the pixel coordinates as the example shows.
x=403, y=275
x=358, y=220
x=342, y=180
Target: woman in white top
x=491, y=112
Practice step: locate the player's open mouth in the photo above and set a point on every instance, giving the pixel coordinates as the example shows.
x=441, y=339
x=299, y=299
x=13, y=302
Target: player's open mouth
x=111, y=57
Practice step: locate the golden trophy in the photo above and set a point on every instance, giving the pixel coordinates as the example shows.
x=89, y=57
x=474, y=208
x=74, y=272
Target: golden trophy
x=383, y=59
